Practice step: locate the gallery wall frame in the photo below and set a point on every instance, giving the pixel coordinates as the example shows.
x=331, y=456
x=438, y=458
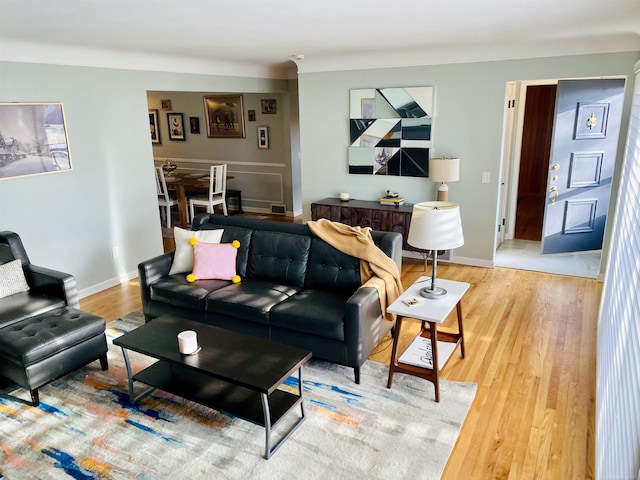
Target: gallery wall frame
x=154, y=127
x=224, y=115
x=194, y=122
x=165, y=104
x=33, y=139
x=263, y=137
x=175, y=122
x=269, y=106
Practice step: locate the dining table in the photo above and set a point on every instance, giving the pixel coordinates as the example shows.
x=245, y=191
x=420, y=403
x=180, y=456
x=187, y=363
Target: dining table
x=182, y=182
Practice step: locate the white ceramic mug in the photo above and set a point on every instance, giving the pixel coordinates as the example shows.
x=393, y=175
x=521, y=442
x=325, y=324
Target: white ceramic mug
x=187, y=342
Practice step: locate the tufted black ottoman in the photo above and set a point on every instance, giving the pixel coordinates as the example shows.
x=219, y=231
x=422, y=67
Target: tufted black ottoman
x=40, y=349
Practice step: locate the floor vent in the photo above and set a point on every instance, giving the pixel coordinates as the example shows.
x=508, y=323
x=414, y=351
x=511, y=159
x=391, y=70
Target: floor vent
x=278, y=209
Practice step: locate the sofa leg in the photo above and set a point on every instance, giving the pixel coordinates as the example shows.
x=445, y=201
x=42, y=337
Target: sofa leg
x=35, y=398
x=356, y=370
x=104, y=363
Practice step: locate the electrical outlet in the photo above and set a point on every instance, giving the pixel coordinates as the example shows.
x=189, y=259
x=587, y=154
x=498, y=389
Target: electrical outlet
x=486, y=177
x=114, y=252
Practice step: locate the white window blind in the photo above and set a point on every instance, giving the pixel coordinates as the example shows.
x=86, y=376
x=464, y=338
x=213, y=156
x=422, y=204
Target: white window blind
x=618, y=362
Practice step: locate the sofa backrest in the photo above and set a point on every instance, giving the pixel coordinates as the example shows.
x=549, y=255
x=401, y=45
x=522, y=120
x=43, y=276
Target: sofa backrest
x=279, y=257
x=290, y=253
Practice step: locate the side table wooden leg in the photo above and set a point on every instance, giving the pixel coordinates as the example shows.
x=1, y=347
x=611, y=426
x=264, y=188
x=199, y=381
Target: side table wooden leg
x=394, y=351
x=460, y=328
x=433, y=334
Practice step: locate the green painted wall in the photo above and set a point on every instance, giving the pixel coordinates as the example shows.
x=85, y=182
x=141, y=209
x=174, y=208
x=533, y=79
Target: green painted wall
x=71, y=220
x=469, y=104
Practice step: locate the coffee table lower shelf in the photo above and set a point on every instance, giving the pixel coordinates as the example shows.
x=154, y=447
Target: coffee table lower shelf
x=258, y=408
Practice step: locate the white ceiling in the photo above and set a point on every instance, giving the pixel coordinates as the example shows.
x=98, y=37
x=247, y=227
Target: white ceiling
x=259, y=37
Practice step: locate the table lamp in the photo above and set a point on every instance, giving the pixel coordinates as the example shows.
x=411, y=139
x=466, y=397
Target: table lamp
x=435, y=226
x=444, y=170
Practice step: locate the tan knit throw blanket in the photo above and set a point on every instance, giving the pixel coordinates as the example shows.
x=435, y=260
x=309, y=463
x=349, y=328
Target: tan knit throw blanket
x=376, y=268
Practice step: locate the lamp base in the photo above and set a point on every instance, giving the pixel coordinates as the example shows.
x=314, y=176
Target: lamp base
x=434, y=293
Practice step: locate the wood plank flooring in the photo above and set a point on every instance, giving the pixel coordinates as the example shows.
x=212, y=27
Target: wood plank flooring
x=531, y=349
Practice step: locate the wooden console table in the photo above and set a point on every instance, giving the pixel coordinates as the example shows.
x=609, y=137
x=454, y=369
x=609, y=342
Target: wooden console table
x=366, y=213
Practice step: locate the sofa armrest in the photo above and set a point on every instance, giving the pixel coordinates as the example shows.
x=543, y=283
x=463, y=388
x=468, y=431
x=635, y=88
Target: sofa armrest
x=151, y=271
x=364, y=324
x=54, y=283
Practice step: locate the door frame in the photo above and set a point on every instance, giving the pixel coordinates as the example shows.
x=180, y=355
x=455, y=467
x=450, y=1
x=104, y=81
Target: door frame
x=509, y=173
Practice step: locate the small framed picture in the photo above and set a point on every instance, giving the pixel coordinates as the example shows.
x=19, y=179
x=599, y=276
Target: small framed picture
x=165, y=104
x=154, y=126
x=252, y=115
x=194, y=122
x=176, y=126
x=269, y=106
x=263, y=137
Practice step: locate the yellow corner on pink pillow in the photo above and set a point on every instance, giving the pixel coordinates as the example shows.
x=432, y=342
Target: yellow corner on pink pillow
x=236, y=279
x=191, y=278
x=235, y=244
x=193, y=240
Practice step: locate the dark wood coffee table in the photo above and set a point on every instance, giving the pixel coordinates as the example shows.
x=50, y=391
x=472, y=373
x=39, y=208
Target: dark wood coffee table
x=235, y=373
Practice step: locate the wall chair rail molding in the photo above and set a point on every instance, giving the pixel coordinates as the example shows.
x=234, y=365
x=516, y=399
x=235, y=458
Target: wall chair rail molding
x=33, y=139
x=390, y=131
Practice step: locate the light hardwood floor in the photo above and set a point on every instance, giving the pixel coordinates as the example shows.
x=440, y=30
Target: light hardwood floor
x=531, y=349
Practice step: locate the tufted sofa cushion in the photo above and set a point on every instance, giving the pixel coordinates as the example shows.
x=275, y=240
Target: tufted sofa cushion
x=331, y=269
x=279, y=257
x=40, y=337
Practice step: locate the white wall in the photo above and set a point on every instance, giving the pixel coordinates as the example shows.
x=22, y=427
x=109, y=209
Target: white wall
x=469, y=102
x=70, y=221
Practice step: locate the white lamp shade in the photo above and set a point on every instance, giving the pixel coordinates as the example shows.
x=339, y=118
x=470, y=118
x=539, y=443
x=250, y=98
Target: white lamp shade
x=444, y=169
x=435, y=226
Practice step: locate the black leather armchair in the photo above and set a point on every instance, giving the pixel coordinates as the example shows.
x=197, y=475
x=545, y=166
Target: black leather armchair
x=43, y=334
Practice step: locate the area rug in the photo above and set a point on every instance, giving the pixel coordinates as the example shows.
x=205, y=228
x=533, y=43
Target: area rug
x=85, y=428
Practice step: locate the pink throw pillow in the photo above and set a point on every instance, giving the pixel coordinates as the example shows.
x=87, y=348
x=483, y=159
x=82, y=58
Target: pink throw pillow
x=214, y=261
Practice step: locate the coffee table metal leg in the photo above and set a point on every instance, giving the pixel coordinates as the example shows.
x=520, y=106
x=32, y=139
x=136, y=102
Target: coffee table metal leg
x=127, y=363
x=268, y=451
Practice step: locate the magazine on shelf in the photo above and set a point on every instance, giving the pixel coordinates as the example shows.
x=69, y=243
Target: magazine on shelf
x=419, y=353
x=393, y=201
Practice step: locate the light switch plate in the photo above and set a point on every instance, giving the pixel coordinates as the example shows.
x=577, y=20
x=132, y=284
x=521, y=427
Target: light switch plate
x=486, y=177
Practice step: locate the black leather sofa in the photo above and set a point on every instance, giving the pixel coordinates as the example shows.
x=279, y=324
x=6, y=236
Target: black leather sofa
x=43, y=334
x=295, y=289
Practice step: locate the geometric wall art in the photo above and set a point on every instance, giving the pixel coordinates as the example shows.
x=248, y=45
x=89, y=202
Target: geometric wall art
x=390, y=131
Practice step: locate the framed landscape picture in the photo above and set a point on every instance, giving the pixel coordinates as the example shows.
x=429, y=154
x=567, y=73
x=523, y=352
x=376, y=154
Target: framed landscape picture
x=154, y=126
x=33, y=139
x=224, y=116
x=269, y=106
x=176, y=126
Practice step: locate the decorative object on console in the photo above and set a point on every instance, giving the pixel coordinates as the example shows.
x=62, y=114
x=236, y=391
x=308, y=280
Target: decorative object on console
x=390, y=131
x=344, y=196
x=435, y=226
x=392, y=199
x=444, y=170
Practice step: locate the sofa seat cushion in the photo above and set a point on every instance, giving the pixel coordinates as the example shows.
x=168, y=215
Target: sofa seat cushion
x=252, y=299
x=42, y=336
x=316, y=312
x=175, y=290
x=20, y=306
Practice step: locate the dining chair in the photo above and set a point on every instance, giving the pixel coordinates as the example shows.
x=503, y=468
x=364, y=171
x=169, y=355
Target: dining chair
x=165, y=201
x=217, y=191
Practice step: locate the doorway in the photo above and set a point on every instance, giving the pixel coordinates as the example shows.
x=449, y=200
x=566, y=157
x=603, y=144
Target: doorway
x=526, y=156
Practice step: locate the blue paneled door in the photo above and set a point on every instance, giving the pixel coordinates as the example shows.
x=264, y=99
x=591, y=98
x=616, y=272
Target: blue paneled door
x=583, y=155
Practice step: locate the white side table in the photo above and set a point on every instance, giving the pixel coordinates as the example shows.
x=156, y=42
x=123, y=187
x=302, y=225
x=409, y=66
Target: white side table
x=416, y=359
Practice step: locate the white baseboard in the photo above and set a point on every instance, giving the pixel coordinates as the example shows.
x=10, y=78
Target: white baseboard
x=112, y=282
x=474, y=262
